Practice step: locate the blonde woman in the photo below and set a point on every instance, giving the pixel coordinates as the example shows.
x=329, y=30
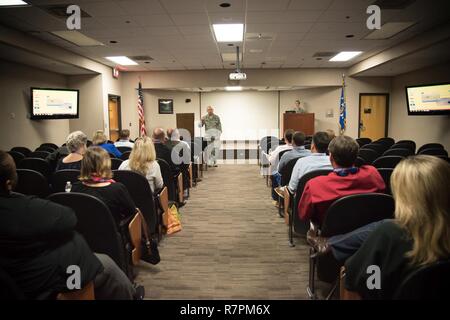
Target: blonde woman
x=143, y=160
x=101, y=140
x=419, y=235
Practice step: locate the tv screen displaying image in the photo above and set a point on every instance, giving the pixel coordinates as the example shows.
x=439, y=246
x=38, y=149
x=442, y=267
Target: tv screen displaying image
x=433, y=99
x=54, y=103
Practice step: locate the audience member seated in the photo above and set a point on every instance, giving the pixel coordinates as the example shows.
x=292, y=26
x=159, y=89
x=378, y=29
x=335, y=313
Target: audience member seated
x=298, y=151
x=318, y=160
x=162, y=151
x=419, y=236
x=274, y=154
x=346, y=179
x=101, y=140
x=76, y=143
x=331, y=134
x=124, y=139
x=174, y=139
x=142, y=160
x=54, y=157
x=38, y=242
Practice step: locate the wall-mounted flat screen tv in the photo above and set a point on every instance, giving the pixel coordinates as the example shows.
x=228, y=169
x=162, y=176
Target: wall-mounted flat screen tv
x=54, y=103
x=433, y=99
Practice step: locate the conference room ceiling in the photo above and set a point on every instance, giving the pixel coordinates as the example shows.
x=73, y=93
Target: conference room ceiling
x=177, y=34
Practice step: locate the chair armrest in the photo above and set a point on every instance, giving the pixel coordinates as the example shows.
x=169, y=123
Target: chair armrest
x=287, y=204
x=163, y=199
x=180, y=187
x=191, y=176
x=135, y=231
x=344, y=294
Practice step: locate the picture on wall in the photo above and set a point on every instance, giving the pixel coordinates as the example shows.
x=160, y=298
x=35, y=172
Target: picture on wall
x=165, y=106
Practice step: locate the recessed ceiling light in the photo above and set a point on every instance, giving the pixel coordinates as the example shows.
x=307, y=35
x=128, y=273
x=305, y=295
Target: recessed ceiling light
x=350, y=36
x=77, y=38
x=229, y=32
x=388, y=30
x=233, y=88
x=4, y=3
x=122, y=60
x=225, y=5
x=113, y=41
x=345, y=55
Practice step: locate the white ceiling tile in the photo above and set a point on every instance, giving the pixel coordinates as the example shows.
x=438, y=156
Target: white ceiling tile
x=347, y=16
x=283, y=17
x=227, y=17
x=355, y=5
x=190, y=19
x=185, y=6
x=162, y=31
x=153, y=20
x=139, y=7
x=309, y=4
x=286, y=27
x=267, y=5
x=103, y=9
x=214, y=6
x=195, y=30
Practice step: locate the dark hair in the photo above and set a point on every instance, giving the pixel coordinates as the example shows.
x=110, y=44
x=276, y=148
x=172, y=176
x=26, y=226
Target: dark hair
x=7, y=171
x=124, y=134
x=288, y=135
x=321, y=141
x=344, y=151
x=299, y=138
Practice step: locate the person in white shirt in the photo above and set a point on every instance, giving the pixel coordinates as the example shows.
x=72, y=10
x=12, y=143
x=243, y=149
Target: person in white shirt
x=143, y=160
x=274, y=155
x=124, y=139
x=318, y=160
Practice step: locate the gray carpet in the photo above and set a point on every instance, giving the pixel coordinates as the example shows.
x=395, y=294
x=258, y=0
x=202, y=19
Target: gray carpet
x=233, y=245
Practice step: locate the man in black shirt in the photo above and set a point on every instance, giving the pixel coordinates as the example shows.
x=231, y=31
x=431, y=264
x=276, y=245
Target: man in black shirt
x=38, y=243
x=162, y=150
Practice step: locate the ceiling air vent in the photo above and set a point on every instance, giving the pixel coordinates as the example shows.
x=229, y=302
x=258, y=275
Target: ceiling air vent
x=141, y=58
x=259, y=36
x=59, y=11
x=393, y=4
x=324, y=54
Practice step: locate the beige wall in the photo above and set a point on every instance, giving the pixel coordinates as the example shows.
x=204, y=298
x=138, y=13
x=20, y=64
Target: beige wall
x=15, y=127
x=421, y=129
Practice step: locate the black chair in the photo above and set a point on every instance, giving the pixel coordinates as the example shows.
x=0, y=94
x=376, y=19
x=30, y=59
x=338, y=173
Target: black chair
x=9, y=290
x=308, y=146
x=359, y=162
x=22, y=150
x=39, y=154
x=125, y=155
x=112, y=156
x=60, y=178
x=50, y=145
x=408, y=144
x=124, y=149
x=430, y=282
x=388, y=142
x=139, y=190
x=387, y=161
x=89, y=143
x=386, y=175
x=46, y=149
x=286, y=173
x=402, y=152
x=430, y=146
x=445, y=158
x=363, y=141
x=435, y=152
x=345, y=215
x=368, y=155
x=96, y=224
x=377, y=147
x=36, y=164
x=168, y=179
x=17, y=157
x=32, y=183
x=115, y=163
x=295, y=224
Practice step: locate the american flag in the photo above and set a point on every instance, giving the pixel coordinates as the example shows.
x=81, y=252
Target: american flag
x=342, y=108
x=142, y=130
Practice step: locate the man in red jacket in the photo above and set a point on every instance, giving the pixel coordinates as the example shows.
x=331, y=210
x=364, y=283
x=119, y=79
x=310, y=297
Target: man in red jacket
x=346, y=179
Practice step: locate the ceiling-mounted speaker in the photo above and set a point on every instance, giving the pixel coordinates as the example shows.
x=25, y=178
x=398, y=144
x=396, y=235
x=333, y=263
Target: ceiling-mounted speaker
x=187, y=100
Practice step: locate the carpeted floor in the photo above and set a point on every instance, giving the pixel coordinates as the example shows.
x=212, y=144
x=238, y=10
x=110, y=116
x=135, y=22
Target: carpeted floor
x=233, y=245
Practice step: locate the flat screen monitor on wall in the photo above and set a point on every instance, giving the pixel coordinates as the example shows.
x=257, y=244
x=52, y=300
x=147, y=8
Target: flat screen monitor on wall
x=54, y=103
x=433, y=99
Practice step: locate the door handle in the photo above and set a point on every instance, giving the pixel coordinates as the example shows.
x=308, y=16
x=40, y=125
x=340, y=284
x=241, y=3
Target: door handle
x=361, y=126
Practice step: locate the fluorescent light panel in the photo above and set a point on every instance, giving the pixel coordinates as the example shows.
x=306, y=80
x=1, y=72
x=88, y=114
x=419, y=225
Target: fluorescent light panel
x=77, y=38
x=229, y=32
x=345, y=55
x=122, y=60
x=4, y=3
x=388, y=30
x=233, y=88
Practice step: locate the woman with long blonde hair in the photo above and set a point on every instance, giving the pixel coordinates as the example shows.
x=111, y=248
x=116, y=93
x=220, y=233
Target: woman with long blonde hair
x=143, y=161
x=418, y=236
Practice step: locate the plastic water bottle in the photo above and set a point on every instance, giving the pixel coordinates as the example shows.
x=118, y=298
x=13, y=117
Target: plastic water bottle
x=68, y=186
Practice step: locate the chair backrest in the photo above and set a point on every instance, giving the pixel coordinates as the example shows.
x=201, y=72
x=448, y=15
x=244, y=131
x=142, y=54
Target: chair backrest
x=408, y=144
x=387, y=161
x=363, y=141
x=369, y=155
x=168, y=179
x=39, y=154
x=125, y=155
x=430, y=146
x=96, y=224
x=22, y=150
x=360, y=162
x=282, y=152
x=429, y=282
x=141, y=193
x=386, y=175
x=124, y=149
x=403, y=152
x=435, y=152
x=115, y=163
x=302, y=227
x=50, y=145
x=111, y=155
x=286, y=171
x=386, y=141
x=45, y=148
x=9, y=290
x=32, y=183
x=377, y=147
x=17, y=157
x=60, y=178
x=36, y=164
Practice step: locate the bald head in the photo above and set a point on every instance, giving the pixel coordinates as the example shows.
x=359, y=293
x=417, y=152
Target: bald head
x=158, y=134
x=210, y=110
x=169, y=132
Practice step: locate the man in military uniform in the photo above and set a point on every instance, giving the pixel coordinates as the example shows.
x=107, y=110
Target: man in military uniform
x=213, y=130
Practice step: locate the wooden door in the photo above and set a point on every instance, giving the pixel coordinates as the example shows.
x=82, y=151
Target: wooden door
x=114, y=117
x=373, y=115
x=186, y=121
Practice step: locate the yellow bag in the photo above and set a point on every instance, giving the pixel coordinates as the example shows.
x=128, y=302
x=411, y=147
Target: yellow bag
x=173, y=220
